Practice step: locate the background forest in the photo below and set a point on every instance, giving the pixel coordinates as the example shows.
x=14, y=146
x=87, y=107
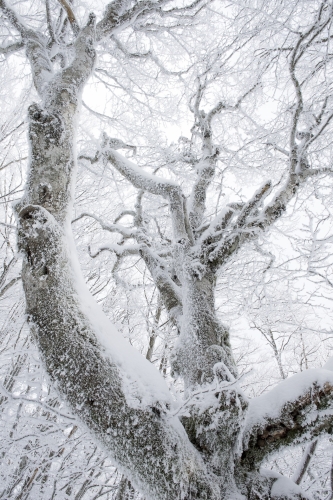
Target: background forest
x=152, y=88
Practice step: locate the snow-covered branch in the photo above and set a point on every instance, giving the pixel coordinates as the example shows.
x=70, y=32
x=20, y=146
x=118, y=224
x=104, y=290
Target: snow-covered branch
x=169, y=291
x=112, y=228
x=123, y=13
x=13, y=47
x=296, y=410
x=119, y=250
x=35, y=43
x=154, y=185
x=224, y=237
x=108, y=384
x=70, y=16
x=218, y=246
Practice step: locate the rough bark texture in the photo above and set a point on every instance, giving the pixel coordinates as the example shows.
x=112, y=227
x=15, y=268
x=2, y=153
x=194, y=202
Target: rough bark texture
x=289, y=426
x=203, y=340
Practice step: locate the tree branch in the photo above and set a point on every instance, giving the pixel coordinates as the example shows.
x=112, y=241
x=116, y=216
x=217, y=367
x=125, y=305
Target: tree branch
x=112, y=228
x=14, y=47
x=119, y=250
x=49, y=21
x=71, y=17
x=123, y=214
x=169, y=291
x=206, y=171
x=36, y=48
x=154, y=185
x=9, y=285
x=13, y=18
x=116, y=392
x=214, y=231
x=296, y=410
x=116, y=15
x=304, y=463
x=244, y=228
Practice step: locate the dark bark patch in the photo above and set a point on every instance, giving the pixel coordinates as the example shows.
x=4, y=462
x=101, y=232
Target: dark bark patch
x=156, y=411
x=44, y=271
x=46, y=125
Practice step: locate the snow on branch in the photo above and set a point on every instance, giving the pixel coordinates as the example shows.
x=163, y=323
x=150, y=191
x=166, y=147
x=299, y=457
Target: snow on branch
x=13, y=18
x=146, y=55
x=169, y=291
x=152, y=184
x=215, y=229
x=268, y=484
x=35, y=43
x=121, y=14
x=305, y=461
x=120, y=251
x=252, y=204
x=114, y=390
x=112, y=228
x=138, y=177
x=297, y=410
x=220, y=246
x=13, y=47
x=123, y=214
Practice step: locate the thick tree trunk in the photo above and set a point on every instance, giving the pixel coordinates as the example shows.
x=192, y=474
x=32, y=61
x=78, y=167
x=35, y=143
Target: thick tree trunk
x=204, y=341
x=151, y=447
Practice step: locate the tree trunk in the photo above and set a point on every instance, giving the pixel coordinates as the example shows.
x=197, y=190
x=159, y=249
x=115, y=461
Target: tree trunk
x=204, y=340
x=151, y=447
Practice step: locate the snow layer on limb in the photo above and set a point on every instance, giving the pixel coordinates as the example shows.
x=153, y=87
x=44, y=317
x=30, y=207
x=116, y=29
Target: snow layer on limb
x=297, y=410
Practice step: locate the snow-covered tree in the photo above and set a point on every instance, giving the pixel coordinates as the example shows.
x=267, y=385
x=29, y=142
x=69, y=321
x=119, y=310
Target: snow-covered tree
x=247, y=88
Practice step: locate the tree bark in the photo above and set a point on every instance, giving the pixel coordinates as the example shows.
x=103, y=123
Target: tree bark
x=204, y=340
